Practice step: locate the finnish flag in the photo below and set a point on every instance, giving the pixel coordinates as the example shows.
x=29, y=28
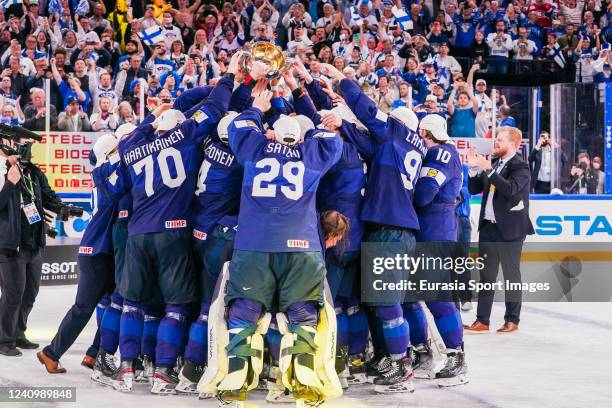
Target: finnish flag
x=402, y=18
x=82, y=8
x=151, y=35
x=8, y=3
x=557, y=55
x=355, y=16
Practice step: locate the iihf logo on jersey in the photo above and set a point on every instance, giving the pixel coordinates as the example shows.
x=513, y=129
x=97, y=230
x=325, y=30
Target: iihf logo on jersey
x=176, y=224
x=297, y=243
x=86, y=250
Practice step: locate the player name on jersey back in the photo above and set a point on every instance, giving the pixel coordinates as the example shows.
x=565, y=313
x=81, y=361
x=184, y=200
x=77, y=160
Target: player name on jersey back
x=139, y=152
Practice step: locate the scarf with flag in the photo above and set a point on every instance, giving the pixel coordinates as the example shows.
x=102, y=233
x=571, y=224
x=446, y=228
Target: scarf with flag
x=402, y=18
x=8, y=3
x=82, y=8
x=557, y=55
x=151, y=35
x=55, y=7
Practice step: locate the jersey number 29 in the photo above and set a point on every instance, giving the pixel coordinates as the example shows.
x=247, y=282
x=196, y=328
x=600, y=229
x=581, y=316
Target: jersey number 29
x=293, y=172
x=148, y=164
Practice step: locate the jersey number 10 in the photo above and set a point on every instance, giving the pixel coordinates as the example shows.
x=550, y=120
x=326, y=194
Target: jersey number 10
x=148, y=164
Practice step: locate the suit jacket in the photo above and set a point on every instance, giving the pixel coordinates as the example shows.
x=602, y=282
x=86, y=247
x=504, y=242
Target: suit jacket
x=511, y=199
x=535, y=163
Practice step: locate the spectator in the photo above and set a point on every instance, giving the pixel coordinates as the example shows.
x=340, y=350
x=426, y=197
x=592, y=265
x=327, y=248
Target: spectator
x=103, y=119
x=70, y=87
x=500, y=45
x=73, y=119
x=601, y=175
x=11, y=115
x=523, y=47
x=462, y=116
x=160, y=62
x=125, y=114
x=505, y=118
x=265, y=14
x=583, y=178
x=446, y=61
x=302, y=41
x=404, y=97
x=129, y=72
x=540, y=163
x=383, y=95
x=36, y=112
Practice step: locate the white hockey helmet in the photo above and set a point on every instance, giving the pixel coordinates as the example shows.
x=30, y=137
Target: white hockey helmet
x=103, y=146
x=168, y=120
x=224, y=125
x=124, y=130
x=436, y=125
x=287, y=130
x=406, y=116
x=305, y=124
x=345, y=113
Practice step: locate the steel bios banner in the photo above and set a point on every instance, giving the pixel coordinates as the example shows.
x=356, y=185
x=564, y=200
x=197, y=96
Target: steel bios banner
x=64, y=158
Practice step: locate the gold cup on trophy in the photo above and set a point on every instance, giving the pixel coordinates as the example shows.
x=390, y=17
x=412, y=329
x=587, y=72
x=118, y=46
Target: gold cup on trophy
x=269, y=54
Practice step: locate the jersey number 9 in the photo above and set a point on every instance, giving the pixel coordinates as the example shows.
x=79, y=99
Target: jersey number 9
x=412, y=164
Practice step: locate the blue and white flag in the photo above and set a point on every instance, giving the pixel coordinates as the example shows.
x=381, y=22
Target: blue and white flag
x=55, y=7
x=82, y=8
x=557, y=55
x=151, y=35
x=355, y=16
x=8, y=3
x=402, y=18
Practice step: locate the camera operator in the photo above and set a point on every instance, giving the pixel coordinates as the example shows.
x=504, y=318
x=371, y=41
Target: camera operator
x=24, y=195
x=584, y=179
x=540, y=160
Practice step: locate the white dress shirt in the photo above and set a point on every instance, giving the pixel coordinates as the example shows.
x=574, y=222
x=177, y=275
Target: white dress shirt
x=489, y=214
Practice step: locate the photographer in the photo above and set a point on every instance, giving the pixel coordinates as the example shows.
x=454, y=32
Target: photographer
x=24, y=195
x=540, y=164
x=583, y=178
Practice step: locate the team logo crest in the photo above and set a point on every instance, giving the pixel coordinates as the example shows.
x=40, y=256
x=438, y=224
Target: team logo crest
x=432, y=173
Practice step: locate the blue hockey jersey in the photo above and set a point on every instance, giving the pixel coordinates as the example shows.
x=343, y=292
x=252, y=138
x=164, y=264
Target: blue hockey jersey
x=436, y=193
x=278, y=201
x=97, y=237
x=395, y=164
x=161, y=170
x=218, y=188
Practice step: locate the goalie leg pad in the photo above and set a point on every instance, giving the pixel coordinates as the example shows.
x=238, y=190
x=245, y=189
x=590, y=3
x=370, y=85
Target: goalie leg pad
x=395, y=330
x=448, y=322
x=415, y=316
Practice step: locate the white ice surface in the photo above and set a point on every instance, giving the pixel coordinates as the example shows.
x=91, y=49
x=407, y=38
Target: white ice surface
x=561, y=357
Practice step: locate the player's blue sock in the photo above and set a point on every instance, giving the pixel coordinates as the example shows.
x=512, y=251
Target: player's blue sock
x=109, y=327
x=448, y=322
x=342, y=326
x=130, y=330
x=152, y=318
x=357, y=327
x=273, y=338
x=195, y=351
x=170, y=335
x=415, y=316
x=395, y=330
x=101, y=308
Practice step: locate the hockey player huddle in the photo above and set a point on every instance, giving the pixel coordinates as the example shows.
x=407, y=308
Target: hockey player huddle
x=286, y=192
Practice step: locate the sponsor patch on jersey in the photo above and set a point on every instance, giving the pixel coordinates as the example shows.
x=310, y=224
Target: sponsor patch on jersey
x=86, y=250
x=199, y=235
x=297, y=243
x=432, y=173
x=176, y=224
x=123, y=214
x=200, y=116
x=245, y=123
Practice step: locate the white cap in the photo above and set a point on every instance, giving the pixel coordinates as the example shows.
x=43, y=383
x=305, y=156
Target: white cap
x=305, y=124
x=168, y=120
x=436, y=125
x=406, y=116
x=103, y=146
x=287, y=130
x=124, y=130
x=224, y=125
x=431, y=98
x=345, y=113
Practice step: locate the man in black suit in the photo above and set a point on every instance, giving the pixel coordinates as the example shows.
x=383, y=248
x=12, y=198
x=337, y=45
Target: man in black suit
x=504, y=222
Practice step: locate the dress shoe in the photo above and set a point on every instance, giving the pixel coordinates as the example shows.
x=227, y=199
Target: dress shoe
x=25, y=344
x=88, y=362
x=9, y=351
x=52, y=366
x=508, y=327
x=476, y=327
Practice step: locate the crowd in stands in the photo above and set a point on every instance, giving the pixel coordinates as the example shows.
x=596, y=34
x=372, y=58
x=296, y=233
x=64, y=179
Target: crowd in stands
x=98, y=55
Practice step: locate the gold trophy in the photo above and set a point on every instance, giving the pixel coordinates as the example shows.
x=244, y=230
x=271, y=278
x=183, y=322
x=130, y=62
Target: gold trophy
x=268, y=53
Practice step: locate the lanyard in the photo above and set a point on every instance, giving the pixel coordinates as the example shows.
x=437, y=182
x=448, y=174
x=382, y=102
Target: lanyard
x=30, y=190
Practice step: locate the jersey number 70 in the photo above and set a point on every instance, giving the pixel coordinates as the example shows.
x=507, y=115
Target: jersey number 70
x=148, y=164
